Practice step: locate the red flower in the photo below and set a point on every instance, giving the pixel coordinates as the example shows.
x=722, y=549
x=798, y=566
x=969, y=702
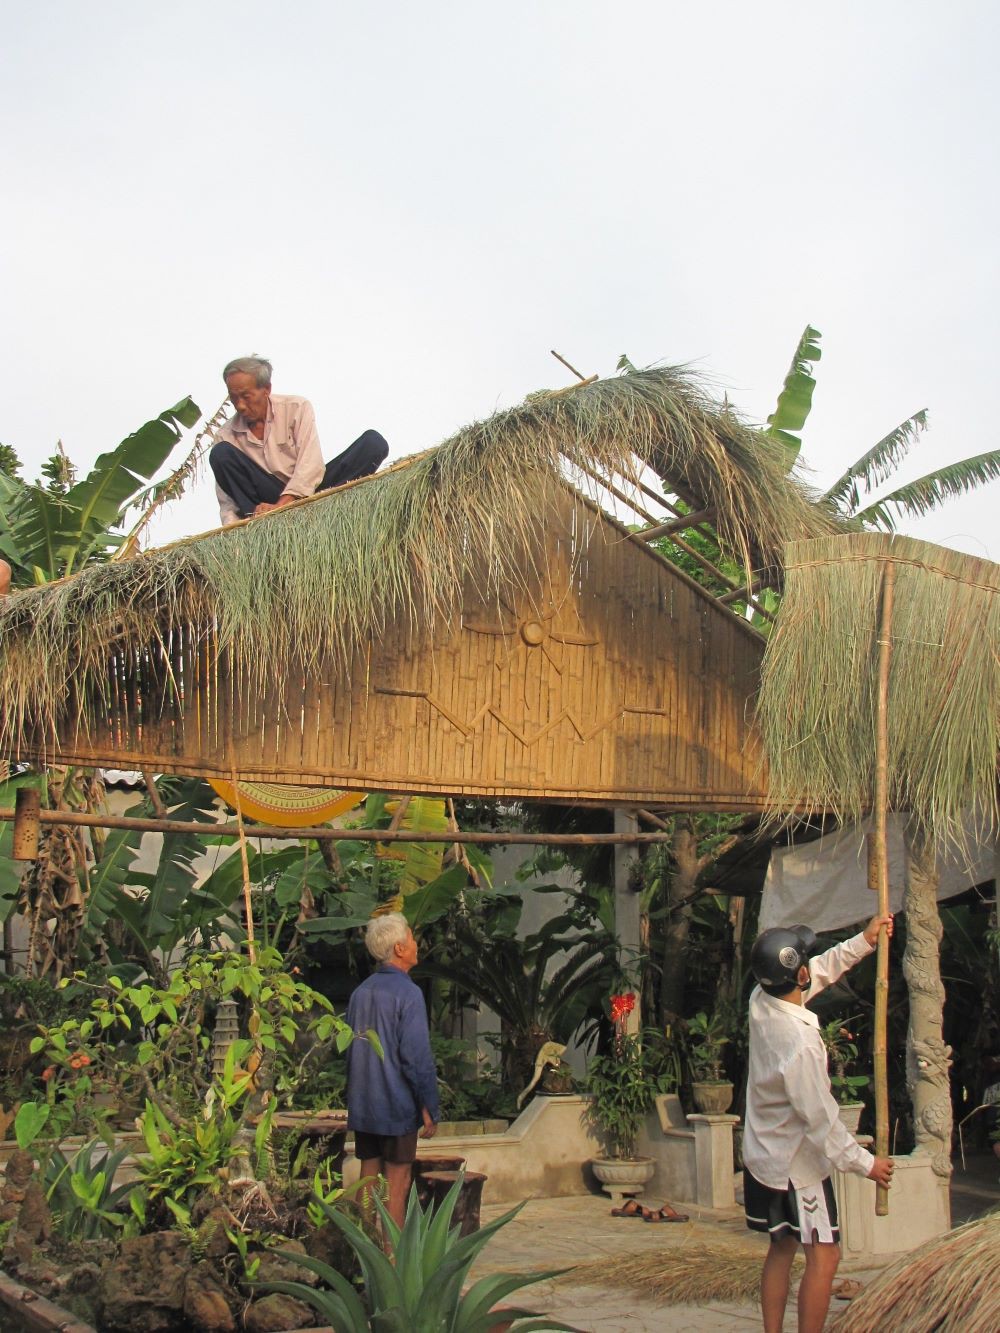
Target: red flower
x=622, y=1006
x=47, y=1073
x=79, y=1060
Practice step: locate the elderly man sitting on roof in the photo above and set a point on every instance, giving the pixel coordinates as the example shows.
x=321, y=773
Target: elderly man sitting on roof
x=268, y=455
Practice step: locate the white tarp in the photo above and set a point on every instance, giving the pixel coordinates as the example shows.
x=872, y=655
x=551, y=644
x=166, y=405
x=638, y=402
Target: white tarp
x=824, y=884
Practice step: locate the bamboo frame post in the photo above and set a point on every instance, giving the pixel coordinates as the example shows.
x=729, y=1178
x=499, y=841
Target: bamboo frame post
x=878, y=878
x=245, y=863
x=27, y=823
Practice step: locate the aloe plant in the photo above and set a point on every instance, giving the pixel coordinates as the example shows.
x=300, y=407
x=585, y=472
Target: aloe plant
x=420, y=1287
x=83, y=1193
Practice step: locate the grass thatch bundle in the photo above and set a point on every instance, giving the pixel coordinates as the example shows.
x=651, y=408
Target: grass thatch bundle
x=818, y=698
x=699, y=1269
x=312, y=581
x=949, y=1285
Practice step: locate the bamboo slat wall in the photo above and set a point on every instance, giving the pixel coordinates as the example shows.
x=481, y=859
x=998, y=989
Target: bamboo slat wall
x=609, y=679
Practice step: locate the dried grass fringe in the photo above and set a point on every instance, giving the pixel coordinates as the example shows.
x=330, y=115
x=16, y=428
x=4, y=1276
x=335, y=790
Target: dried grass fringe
x=816, y=709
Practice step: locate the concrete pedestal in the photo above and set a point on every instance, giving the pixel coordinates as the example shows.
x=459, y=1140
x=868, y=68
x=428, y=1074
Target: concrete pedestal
x=713, y=1153
x=693, y=1155
x=919, y=1208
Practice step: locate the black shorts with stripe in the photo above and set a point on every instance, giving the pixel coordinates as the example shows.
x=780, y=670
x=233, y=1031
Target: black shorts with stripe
x=805, y=1214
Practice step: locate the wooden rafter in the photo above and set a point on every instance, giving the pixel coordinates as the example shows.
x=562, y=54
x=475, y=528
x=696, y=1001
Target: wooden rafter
x=323, y=834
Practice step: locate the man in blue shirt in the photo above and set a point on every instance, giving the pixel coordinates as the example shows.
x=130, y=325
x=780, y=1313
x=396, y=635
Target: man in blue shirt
x=390, y=1098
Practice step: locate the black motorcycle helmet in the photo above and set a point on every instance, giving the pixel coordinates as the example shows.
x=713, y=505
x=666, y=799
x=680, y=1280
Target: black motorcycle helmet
x=778, y=954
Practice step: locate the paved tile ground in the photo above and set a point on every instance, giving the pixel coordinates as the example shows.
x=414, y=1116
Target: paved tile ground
x=555, y=1233
x=558, y=1233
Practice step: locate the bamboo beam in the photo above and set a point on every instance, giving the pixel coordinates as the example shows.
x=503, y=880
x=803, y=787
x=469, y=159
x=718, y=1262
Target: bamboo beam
x=676, y=525
x=649, y=534
x=81, y=818
x=878, y=878
x=149, y=779
x=655, y=820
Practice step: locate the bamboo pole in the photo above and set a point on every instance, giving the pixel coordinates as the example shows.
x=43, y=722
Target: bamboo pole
x=245, y=863
x=878, y=878
x=27, y=821
x=87, y=820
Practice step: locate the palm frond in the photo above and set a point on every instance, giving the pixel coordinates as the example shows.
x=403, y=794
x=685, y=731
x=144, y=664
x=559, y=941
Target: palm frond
x=926, y=493
x=877, y=465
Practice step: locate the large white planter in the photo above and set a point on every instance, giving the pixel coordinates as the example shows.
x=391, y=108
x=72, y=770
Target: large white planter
x=623, y=1177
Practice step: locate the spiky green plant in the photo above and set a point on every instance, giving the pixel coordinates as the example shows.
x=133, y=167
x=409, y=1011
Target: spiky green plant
x=420, y=1287
x=818, y=696
x=318, y=579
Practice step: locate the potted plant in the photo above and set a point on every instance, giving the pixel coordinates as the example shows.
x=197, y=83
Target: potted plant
x=622, y=1086
x=707, y=1034
x=842, y=1051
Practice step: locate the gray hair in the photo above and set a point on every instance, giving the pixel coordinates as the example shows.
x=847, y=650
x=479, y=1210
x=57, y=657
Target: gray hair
x=250, y=365
x=384, y=933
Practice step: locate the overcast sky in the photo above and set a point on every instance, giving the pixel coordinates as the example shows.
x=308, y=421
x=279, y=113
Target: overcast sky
x=406, y=205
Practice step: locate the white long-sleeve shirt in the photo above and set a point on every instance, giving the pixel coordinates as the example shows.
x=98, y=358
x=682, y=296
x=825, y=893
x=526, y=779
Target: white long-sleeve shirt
x=793, y=1131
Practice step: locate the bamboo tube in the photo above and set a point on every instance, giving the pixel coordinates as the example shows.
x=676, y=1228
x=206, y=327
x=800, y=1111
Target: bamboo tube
x=321, y=834
x=245, y=862
x=24, y=846
x=878, y=867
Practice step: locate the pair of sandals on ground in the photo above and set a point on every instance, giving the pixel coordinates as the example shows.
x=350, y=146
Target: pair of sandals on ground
x=633, y=1208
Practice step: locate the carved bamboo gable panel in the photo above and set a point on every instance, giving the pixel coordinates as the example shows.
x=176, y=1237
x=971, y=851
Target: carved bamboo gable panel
x=607, y=677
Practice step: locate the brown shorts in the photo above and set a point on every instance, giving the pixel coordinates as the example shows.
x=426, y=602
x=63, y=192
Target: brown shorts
x=398, y=1149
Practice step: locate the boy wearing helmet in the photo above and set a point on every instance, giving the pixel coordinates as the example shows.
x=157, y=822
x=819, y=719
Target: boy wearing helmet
x=794, y=1136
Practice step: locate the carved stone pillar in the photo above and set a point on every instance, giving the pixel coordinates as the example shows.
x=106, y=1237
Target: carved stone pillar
x=928, y=1059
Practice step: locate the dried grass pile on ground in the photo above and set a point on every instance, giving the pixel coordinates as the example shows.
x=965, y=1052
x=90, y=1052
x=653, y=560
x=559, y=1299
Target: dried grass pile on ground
x=699, y=1269
x=949, y=1285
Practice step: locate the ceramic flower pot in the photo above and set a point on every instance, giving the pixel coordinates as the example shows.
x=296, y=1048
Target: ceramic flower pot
x=712, y=1098
x=623, y=1175
x=850, y=1114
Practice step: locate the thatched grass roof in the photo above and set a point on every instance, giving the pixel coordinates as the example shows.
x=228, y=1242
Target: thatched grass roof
x=818, y=698
x=949, y=1285
x=311, y=580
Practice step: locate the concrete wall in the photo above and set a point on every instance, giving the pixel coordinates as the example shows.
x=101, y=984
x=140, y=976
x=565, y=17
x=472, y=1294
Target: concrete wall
x=543, y=1154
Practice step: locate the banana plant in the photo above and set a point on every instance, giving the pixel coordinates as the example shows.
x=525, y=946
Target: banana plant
x=795, y=400
x=851, y=490
x=51, y=532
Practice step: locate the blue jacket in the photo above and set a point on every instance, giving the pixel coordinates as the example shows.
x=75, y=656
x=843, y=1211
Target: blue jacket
x=385, y=1096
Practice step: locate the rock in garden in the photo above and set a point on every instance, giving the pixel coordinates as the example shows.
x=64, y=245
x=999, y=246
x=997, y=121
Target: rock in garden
x=143, y=1290
x=276, y=1314
x=274, y=1267
x=329, y=1244
x=205, y=1302
x=212, y=1238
